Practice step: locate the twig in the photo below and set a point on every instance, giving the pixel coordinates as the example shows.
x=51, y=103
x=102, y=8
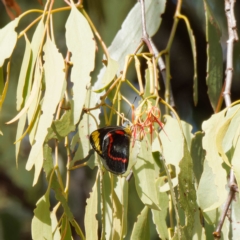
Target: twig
x=233, y=36
x=152, y=49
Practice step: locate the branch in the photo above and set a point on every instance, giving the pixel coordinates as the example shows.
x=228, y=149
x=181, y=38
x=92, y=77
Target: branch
x=233, y=36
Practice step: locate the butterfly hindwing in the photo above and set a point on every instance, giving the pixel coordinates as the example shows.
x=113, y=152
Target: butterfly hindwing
x=112, y=144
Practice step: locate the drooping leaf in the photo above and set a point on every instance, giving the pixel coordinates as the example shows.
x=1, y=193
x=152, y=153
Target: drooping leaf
x=34, y=70
x=144, y=175
x=20, y=129
x=66, y=232
x=198, y=155
x=55, y=227
x=159, y=217
x=218, y=179
x=8, y=39
x=187, y=193
x=62, y=127
x=214, y=58
x=109, y=74
x=128, y=37
x=171, y=139
x=41, y=223
x=80, y=42
x=59, y=192
x=5, y=88
x=90, y=221
x=23, y=72
x=55, y=76
x=141, y=229
x=235, y=218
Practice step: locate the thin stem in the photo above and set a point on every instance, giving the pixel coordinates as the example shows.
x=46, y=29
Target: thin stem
x=232, y=37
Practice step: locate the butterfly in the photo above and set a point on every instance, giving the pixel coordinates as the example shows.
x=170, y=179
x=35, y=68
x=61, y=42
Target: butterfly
x=112, y=144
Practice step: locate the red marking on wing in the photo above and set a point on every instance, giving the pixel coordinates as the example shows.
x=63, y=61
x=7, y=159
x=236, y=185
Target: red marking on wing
x=124, y=160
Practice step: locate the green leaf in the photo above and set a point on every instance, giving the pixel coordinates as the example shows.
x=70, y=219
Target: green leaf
x=55, y=85
x=128, y=37
x=80, y=42
x=141, y=228
x=159, y=217
x=236, y=162
x=20, y=129
x=34, y=70
x=198, y=155
x=187, y=193
x=85, y=128
x=109, y=74
x=90, y=221
x=59, y=192
x=214, y=162
x=8, y=39
x=144, y=175
x=62, y=127
x=66, y=232
x=171, y=139
x=214, y=58
x=41, y=223
x=55, y=227
x=23, y=73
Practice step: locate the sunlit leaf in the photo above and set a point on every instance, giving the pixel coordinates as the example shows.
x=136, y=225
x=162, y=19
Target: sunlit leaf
x=216, y=174
x=41, y=223
x=55, y=76
x=66, y=232
x=144, y=175
x=235, y=218
x=109, y=74
x=23, y=73
x=90, y=221
x=159, y=217
x=141, y=229
x=55, y=227
x=5, y=88
x=8, y=39
x=171, y=139
x=80, y=42
x=128, y=37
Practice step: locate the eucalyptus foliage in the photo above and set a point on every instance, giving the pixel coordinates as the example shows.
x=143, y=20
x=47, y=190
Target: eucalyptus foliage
x=180, y=176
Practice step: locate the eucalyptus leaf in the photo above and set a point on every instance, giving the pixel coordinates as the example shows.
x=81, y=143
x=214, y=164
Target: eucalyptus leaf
x=83, y=57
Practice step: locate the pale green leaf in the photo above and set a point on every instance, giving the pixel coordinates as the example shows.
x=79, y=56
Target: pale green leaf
x=121, y=190
x=219, y=178
x=214, y=58
x=54, y=74
x=23, y=73
x=8, y=39
x=144, y=175
x=198, y=229
x=159, y=217
x=34, y=72
x=85, y=128
x=80, y=42
x=128, y=37
x=171, y=139
x=109, y=74
x=55, y=227
x=41, y=223
x=1, y=80
x=207, y=186
x=90, y=221
x=141, y=229
x=20, y=129
x=219, y=139
x=235, y=161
